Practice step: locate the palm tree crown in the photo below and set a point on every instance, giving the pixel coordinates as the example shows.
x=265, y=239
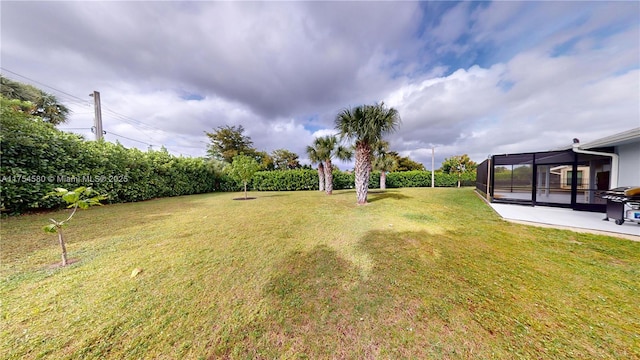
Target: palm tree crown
x=382, y=161
x=367, y=123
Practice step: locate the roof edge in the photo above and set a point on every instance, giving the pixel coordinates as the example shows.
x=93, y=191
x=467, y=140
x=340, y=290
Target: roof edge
x=631, y=135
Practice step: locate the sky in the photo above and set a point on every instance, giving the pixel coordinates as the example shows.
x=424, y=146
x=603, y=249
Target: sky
x=476, y=78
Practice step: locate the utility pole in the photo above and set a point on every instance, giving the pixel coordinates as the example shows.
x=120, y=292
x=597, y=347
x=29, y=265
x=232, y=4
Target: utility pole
x=433, y=165
x=97, y=120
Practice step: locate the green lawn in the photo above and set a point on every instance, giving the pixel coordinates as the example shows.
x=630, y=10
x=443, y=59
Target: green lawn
x=417, y=273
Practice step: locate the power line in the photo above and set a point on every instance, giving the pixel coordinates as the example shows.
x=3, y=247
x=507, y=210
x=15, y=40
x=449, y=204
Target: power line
x=122, y=117
x=136, y=123
x=84, y=101
x=128, y=138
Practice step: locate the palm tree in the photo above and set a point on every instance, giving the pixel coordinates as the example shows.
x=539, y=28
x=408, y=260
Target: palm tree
x=328, y=148
x=366, y=124
x=45, y=105
x=312, y=152
x=383, y=162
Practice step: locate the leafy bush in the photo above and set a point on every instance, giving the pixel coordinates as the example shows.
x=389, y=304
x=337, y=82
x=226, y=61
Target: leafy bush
x=36, y=158
x=305, y=179
x=286, y=180
x=343, y=180
x=418, y=178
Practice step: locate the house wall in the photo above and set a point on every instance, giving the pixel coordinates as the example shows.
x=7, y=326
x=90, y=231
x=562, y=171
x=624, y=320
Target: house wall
x=566, y=178
x=629, y=170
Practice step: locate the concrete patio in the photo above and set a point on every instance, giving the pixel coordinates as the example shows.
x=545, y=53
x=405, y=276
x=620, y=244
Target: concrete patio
x=580, y=221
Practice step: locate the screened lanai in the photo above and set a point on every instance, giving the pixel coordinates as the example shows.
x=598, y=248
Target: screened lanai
x=554, y=178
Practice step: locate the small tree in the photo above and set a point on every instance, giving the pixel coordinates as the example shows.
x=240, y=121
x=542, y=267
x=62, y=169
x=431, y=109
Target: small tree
x=242, y=168
x=79, y=198
x=458, y=164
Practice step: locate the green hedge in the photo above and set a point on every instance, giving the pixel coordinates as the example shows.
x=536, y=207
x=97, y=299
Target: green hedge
x=419, y=178
x=285, y=180
x=304, y=179
x=35, y=158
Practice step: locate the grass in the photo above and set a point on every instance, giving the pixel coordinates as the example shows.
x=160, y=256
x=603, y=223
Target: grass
x=417, y=273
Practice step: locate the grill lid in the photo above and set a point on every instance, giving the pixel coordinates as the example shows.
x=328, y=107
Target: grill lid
x=623, y=194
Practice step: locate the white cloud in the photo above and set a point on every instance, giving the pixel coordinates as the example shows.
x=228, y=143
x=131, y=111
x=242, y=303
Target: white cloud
x=474, y=78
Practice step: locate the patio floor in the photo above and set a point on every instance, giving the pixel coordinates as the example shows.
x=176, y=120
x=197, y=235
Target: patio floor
x=563, y=218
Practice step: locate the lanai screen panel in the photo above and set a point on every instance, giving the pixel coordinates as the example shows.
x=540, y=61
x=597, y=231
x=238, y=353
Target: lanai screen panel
x=594, y=176
x=481, y=176
x=553, y=177
x=513, y=177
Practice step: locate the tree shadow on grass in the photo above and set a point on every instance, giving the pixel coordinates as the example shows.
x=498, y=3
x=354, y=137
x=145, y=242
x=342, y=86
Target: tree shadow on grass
x=273, y=195
x=318, y=305
x=309, y=306
x=378, y=195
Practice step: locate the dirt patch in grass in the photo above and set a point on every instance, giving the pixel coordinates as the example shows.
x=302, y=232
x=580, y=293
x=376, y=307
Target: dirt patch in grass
x=59, y=264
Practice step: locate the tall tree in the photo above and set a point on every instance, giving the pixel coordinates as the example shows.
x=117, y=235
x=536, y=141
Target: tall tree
x=458, y=164
x=265, y=161
x=383, y=162
x=366, y=125
x=284, y=159
x=328, y=148
x=314, y=157
x=405, y=163
x=228, y=142
x=45, y=105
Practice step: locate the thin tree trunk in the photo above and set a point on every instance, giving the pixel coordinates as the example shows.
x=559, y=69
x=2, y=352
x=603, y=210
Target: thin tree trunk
x=363, y=171
x=321, y=177
x=64, y=248
x=245, y=190
x=383, y=180
x=328, y=177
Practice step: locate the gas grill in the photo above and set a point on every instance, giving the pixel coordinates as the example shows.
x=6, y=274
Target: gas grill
x=623, y=203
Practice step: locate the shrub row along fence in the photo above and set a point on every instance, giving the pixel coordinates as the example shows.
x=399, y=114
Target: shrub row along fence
x=304, y=179
x=36, y=158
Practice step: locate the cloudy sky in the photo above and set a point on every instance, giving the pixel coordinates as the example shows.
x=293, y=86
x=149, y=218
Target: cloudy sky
x=467, y=77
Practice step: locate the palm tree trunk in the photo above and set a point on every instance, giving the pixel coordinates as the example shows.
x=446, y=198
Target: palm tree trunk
x=363, y=171
x=383, y=180
x=64, y=248
x=321, y=177
x=328, y=177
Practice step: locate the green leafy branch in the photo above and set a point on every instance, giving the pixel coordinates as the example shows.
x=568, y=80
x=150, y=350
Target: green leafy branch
x=79, y=198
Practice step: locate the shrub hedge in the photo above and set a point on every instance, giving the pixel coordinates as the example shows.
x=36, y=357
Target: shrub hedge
x=305, y=179
x=35, y=158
